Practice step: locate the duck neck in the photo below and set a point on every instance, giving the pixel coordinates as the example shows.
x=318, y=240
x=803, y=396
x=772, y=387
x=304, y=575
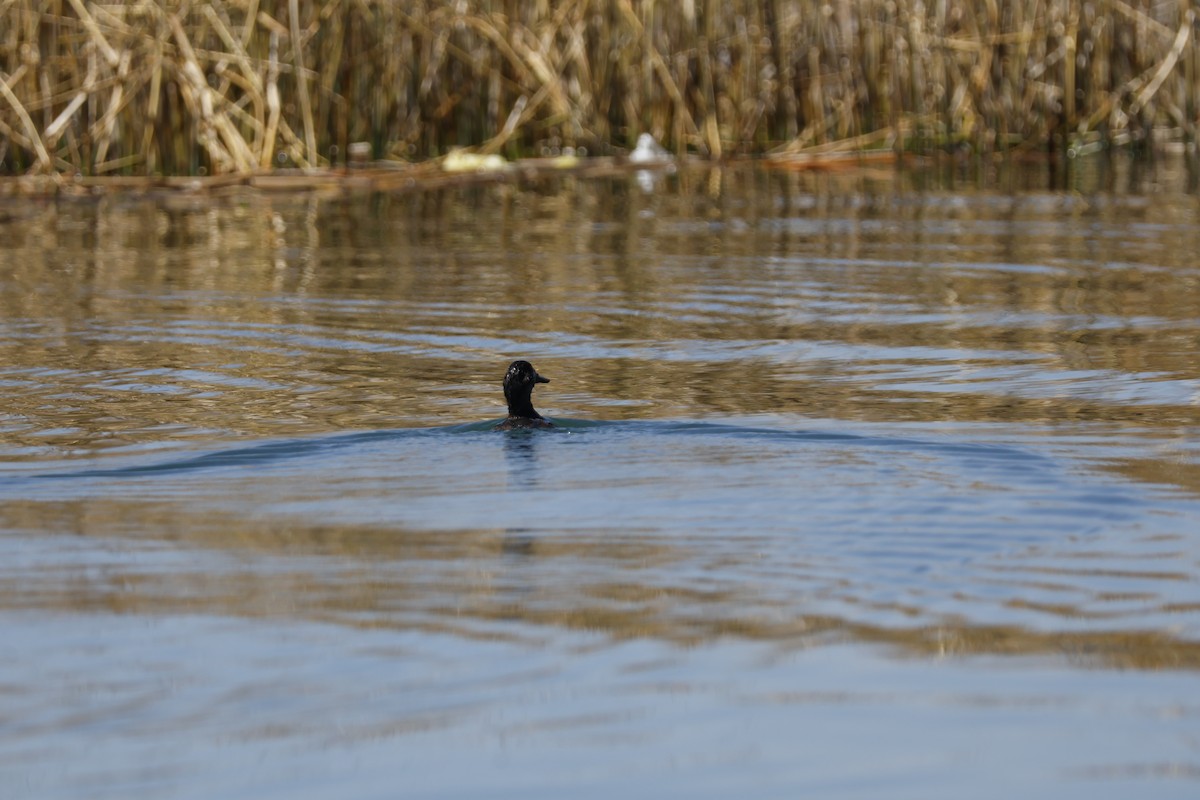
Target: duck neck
x=522, y=407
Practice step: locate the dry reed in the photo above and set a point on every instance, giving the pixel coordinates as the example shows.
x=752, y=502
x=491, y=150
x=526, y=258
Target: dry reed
x=235, y=86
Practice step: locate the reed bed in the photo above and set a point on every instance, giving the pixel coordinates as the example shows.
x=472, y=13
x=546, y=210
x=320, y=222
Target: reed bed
x=155, y=87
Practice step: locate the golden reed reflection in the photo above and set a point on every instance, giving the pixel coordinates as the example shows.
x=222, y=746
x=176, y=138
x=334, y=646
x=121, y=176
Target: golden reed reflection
x=471, y=582
x=849, y=297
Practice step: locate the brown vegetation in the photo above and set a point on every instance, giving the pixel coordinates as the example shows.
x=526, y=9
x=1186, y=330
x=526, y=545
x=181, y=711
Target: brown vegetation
x=238, y=86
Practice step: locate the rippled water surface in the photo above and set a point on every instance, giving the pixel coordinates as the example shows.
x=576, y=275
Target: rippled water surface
x=860, y=487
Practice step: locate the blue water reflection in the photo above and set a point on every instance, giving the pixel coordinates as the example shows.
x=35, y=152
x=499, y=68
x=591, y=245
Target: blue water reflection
x=858, y=487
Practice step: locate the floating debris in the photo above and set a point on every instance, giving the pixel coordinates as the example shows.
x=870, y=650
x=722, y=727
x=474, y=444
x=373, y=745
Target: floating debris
x=463, y=161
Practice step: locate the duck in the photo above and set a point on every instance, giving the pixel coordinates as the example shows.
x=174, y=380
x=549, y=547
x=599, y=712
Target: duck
x=649, y=151
x=518, y=390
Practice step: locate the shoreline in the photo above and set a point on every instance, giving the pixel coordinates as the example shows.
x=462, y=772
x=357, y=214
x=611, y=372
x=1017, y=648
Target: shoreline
x=471, y=169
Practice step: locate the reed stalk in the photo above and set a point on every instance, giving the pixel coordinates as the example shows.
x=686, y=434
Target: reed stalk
x=178, y=87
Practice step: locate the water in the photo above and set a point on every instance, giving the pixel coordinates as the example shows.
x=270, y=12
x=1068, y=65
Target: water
x=860, y=485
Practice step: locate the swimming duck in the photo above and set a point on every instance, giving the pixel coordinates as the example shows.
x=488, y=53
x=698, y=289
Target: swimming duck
x=518, y=390
x=649, y=151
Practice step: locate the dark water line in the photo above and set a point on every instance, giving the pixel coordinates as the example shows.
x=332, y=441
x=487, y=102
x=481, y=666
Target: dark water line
x=266, y=454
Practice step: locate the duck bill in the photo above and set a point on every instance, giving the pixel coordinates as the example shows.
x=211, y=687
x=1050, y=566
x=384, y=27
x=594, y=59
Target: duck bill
x=540, y=379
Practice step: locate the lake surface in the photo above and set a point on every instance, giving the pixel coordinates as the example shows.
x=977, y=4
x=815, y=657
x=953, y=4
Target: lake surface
x=865, y=484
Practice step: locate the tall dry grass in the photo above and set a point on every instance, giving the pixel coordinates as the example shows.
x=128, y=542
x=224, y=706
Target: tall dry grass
x=223, y=86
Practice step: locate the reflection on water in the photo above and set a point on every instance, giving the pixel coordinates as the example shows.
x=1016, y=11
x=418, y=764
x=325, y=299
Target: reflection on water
x=834, y=453
x=680, y=531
